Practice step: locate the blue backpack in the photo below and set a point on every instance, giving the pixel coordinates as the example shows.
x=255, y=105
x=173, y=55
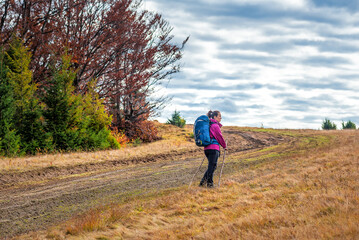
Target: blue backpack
x=201, y=132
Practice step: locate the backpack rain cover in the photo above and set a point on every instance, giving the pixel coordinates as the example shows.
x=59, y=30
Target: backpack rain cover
x=201, y=131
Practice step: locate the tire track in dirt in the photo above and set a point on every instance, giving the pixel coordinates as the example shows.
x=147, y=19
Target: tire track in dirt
x=8, y=180
x=39, y=206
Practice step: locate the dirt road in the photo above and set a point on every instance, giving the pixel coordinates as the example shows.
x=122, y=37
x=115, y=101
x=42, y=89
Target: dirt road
x=38, y=199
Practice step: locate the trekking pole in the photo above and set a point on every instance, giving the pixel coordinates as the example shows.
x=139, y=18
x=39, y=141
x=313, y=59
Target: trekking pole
x=224, y=155
x=196, y=172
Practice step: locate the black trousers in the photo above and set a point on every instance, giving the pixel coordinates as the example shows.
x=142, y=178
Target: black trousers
x=212, y=156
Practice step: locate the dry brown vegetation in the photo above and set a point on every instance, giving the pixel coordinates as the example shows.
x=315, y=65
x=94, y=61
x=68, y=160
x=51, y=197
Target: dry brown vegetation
x=172, y=138
x=306, y=189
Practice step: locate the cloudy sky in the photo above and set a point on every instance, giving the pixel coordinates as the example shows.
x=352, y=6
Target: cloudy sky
x=276, y=63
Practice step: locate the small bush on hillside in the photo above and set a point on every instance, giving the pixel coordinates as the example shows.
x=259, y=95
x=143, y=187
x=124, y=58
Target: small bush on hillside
x=328, y=125
x=120, y=136
x=145, y=130
x=136, y=142
x=349, y=125
x=177, y=120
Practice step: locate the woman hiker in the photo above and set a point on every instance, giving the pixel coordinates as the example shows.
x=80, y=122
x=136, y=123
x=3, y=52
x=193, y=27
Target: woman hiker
x=212, y=151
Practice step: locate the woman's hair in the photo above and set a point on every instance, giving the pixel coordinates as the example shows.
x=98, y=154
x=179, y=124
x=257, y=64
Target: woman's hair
x=211, y=114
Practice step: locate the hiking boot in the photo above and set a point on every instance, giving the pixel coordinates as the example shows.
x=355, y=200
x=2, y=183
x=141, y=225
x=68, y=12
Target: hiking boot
x=210, y=185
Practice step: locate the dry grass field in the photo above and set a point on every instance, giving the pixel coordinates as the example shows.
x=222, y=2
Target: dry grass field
x=172, y=138
x=307, y=188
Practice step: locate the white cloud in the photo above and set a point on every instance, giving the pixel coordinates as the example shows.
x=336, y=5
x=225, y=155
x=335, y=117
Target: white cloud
x=289, y=64
x=295, y=4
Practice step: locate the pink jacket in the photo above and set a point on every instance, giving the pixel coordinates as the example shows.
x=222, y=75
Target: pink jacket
x=215, y=132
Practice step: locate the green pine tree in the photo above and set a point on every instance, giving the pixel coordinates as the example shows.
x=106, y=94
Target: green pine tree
x=177, y=120
x=328, y=125
x=96, y=122
x=76, y=122
x=63, y=111
x=28, y=110
x=349, y=125
x=9, y=140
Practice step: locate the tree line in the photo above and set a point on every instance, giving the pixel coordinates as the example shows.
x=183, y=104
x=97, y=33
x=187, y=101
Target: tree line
x=329, y=125
x=44, y=118
x=68, y=66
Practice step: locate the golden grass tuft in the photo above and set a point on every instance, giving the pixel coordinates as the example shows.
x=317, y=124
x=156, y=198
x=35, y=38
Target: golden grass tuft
x=97, y=220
